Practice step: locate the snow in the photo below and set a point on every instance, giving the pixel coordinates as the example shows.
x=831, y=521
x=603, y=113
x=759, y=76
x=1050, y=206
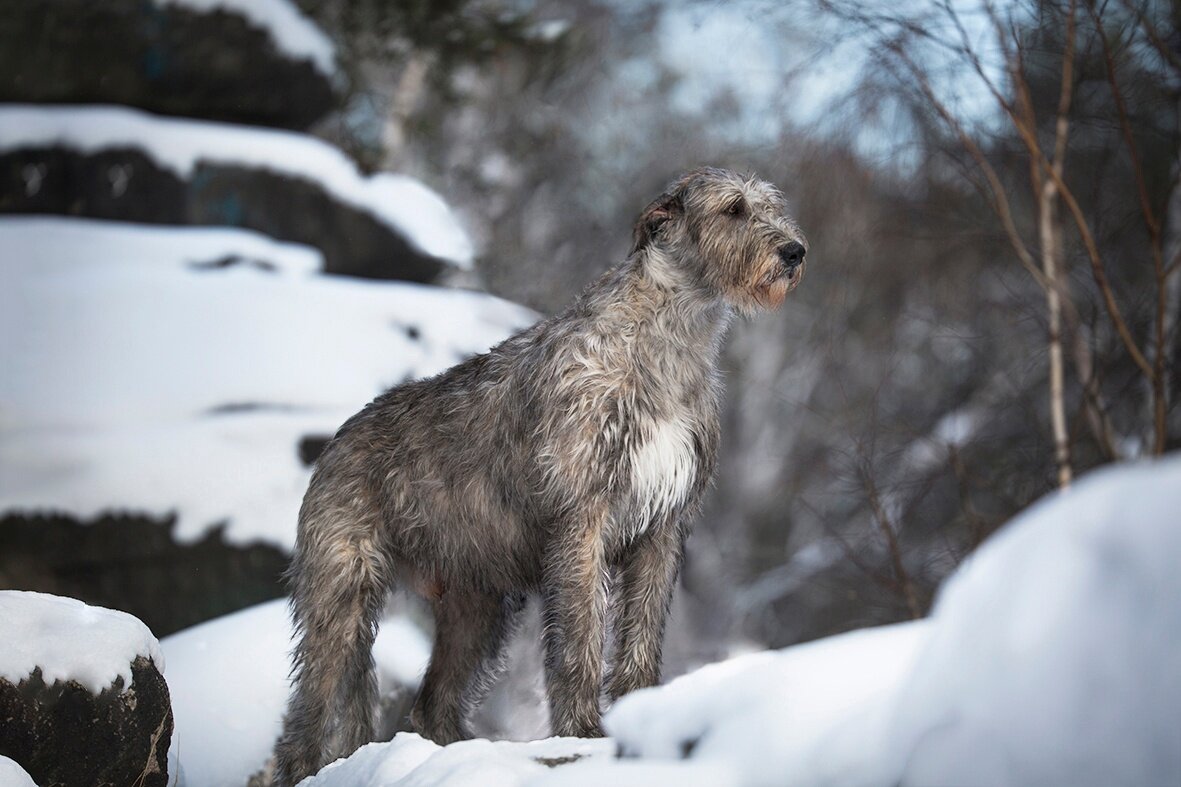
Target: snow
x=1055, y=657
x=136, y=379
x=293, y=33
x=402, y=203
x=1052, y=657
x=70, y=640
x=761, y=714
x=410, y=761
x=228, y=681
x=13, y=775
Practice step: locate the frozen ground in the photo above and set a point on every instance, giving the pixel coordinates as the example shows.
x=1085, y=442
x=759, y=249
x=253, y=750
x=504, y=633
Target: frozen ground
x=139, y=377
x=69, y=640
x=403, y=203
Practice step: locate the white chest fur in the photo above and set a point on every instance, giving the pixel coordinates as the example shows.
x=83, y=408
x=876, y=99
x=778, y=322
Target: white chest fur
x=663, y=466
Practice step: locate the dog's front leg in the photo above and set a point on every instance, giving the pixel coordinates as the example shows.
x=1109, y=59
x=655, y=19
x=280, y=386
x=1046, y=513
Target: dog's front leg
x=644, y=594
x=575, y=601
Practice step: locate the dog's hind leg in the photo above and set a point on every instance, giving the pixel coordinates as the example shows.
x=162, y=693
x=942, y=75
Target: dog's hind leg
x=471, y=629
x=339, y=581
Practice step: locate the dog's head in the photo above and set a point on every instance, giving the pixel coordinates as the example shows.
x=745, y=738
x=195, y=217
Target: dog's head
x=730, y=235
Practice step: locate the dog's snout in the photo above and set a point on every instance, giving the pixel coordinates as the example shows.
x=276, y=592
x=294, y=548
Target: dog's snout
x=792, y=255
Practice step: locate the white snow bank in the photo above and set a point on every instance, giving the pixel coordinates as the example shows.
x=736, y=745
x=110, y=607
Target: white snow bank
x=1053, y=657
x=13, y=775
x=401, y=202
x=70, y=640
x=134, y=379
x=410, y=761
x=1055, y=651
x=229, y=686
x=46, y=241
x=762, y=714
x=293, y=33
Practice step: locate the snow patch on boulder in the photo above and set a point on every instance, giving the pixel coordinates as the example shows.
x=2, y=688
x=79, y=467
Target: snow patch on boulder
x=402, y=203
x=70, y=641
x=292, y=32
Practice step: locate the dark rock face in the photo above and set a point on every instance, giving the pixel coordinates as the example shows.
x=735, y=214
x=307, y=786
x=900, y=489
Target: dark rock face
x=64, y=735
x=354, y=243
x=125, y=185
x=131, y=563
x=165, y=59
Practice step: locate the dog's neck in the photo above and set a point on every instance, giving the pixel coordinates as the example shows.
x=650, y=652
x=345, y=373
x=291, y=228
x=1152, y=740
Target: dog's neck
x=660, y=305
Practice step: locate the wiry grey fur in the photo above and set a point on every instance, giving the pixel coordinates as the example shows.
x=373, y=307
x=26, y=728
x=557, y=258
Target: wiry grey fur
x=576, y=449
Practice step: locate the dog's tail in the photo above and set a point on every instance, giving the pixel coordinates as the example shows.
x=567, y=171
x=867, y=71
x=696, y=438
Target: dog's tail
x=339, y=578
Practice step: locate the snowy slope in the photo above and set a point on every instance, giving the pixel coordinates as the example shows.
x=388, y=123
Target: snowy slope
x=140, y=377
x=402, y=203
x=293, y=33
x=70, y=640
x=1052, y=657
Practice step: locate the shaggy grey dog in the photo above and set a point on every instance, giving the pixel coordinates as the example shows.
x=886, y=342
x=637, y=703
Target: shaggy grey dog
x=575, y=450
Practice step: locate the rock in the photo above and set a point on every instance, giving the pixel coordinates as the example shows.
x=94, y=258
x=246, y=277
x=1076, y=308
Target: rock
x=124, y=184
x=135, y=563
x=164, y=58
x=55, y=722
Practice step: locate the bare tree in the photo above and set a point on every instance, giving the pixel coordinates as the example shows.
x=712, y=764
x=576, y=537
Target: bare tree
x=1050, y=190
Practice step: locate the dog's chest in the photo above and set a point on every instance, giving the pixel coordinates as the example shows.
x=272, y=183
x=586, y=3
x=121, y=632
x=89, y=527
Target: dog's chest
x=664, y=467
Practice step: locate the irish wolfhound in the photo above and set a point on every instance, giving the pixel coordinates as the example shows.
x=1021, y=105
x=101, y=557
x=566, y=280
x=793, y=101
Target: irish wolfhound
x=574, y=450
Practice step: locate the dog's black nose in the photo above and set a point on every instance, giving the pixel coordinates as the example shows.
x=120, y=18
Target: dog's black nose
x=792, y=255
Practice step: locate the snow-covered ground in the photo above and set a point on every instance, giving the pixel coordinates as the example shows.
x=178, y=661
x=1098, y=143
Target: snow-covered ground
x=403, y=203
x=70, y=640
x=1052, y=657
x=228, y=681
x=141, y=376
x=293, y=33
x=410, y=760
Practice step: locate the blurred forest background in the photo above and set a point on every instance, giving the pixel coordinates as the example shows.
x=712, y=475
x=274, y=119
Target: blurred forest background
x=990, y=192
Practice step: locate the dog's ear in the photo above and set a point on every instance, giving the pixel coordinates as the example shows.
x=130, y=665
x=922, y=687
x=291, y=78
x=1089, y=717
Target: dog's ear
x=661, y=210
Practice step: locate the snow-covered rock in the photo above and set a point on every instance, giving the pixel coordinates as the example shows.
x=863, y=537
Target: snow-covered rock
x=70, y=641
x=229, y=684
x=292, y=32
x=264, y=179
x=245, y=61
x=179, y=370
x=81, y=693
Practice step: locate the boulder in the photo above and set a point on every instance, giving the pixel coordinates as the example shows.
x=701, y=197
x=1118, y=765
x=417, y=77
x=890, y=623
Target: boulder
x=169, y=59
x=82, y=701
x=124, y=184
x=134, y=562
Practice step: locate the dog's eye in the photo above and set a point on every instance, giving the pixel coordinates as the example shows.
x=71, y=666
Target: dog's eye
x=736, y=208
